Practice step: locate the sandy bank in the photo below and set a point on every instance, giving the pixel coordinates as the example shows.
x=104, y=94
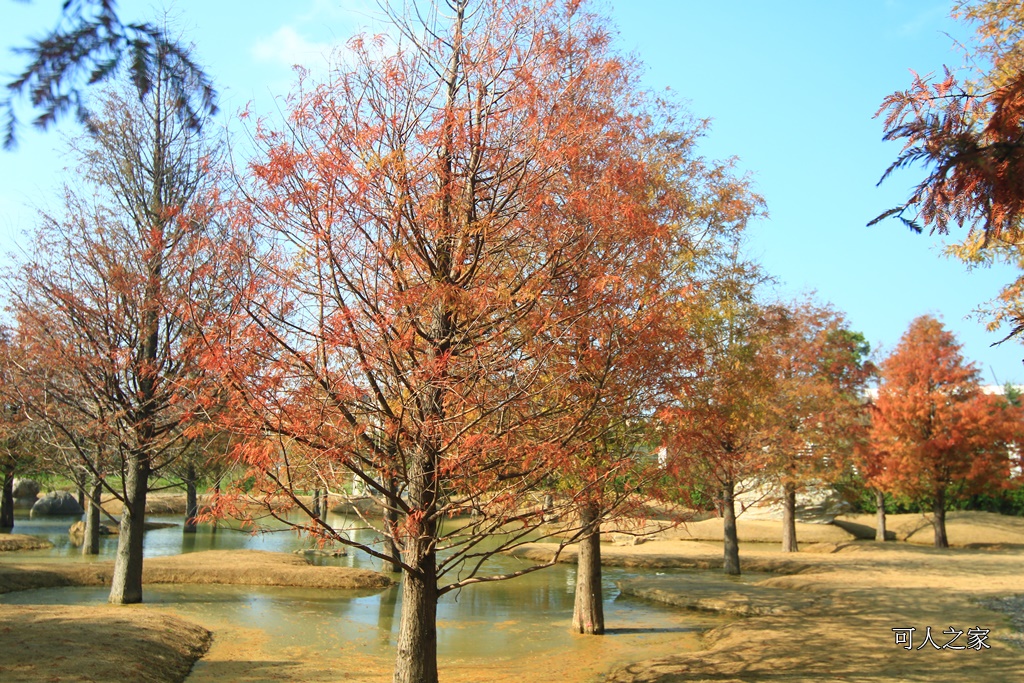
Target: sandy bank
x=15, y=542
x=96, y=643
x=233, y=567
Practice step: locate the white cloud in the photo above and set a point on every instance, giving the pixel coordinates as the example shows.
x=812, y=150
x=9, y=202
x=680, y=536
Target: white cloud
x=287, y=47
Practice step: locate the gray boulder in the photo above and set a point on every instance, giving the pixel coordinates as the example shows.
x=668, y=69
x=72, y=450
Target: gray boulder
x=56, y=503
x=26, y=488
x=26, y=491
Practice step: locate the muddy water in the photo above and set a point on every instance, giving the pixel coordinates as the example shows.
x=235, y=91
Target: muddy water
x=506, y=631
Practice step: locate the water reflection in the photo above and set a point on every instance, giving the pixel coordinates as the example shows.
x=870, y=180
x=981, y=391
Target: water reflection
x=523, y=617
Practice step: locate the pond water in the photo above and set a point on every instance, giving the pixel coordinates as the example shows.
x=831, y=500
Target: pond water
x=481, y=626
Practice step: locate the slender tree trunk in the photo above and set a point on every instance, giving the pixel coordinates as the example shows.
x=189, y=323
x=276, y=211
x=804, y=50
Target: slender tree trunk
x=91, y=537
x=126, y=587
x=191, y=499
x=7, y=501
x=880, y=523
x=391, y=522
x=588, y=612
x=939, y=518
x=789, y=518
x=316, y=504
x=81, y=481
x=324, y=506
x=216, y=494
x=732, y=543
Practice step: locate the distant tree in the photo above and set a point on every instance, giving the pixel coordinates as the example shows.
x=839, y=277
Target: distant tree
x=721, y=429
x=821, y=371
x=92, y=45
x=936, y=435
x=18, y=451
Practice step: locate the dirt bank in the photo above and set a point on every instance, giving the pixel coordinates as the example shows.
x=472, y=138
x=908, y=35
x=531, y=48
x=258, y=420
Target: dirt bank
x=237, y=567
x=16, y=542
x=97, y=644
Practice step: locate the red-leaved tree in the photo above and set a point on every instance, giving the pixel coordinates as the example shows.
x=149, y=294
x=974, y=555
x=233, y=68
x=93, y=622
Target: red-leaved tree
x=720, y=429
x=460, y=236
x=935, y=434
x=821, y=371
x=112, y=297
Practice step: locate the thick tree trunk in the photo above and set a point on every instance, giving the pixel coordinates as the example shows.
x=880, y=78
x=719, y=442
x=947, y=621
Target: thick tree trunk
x=939, y=519
x=880, y=522
x=416, y=660
x=91, y=537
x=732, y=543
x=789, y=518
x=588, y=611
x=191, y=500
x=126, y=587
x=7, y=501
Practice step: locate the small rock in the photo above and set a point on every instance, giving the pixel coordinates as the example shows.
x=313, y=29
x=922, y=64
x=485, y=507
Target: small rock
x=77, y=532
x=322, y=552
x=627, y=539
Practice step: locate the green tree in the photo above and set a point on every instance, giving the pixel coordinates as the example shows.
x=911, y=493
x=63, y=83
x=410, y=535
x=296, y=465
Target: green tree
x=92, y=45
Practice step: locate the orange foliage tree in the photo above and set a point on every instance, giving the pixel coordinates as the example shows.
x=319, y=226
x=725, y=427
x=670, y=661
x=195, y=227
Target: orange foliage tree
x=465, y=247
x=111, y=298
x=719, y=429
x=966, y=129
x=935, y=434
x=821, y=372
x=633, y=352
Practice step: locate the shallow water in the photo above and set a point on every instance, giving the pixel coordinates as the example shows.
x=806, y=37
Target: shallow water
x=483, y=626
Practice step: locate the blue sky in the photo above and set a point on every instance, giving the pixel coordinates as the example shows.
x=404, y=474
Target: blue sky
x=791, y=88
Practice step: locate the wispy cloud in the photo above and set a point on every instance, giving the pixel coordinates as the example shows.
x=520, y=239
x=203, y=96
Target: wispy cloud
x=287, y=47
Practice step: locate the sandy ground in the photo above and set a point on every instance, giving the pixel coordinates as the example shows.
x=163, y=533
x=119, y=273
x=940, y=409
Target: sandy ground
x=137, y=643
x=826, y=613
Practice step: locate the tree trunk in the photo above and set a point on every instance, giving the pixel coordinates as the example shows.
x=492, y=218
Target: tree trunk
x=732, y=543
x=191, y=500
x=126, y=587
x=588, y=612
x=880, y=523
x=789, y=518
x=939, y=519
x=416, y=660
x=216, y=494
x=391, y=522
x=7, y=501
x=91, y=537
x=316, y=504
